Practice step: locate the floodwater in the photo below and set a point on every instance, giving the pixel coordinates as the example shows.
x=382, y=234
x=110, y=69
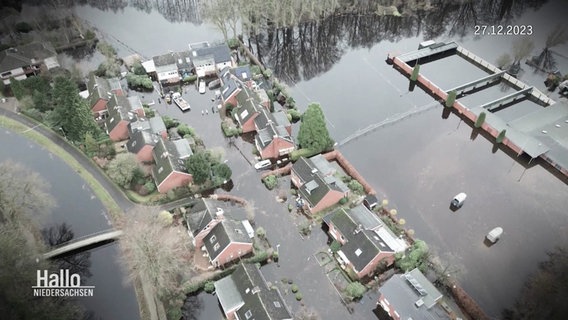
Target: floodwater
x=78, y=208
x=418, y=163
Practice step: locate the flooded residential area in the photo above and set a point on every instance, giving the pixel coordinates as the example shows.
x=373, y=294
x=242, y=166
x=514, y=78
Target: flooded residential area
x=328, y=160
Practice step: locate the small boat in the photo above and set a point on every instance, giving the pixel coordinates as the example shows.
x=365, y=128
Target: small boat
x=458, y=200
x=214, y=84
x=494, y=234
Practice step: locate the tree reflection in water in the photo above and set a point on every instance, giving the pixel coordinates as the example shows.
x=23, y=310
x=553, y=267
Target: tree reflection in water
x=77, y=263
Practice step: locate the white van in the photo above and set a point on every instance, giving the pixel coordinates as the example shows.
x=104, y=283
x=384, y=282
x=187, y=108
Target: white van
x=458, y=200
x=494, y=234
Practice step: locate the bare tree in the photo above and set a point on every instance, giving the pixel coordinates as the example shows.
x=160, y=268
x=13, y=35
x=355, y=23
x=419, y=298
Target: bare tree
x=23, y=194
x=161, y=254
x=522, y=48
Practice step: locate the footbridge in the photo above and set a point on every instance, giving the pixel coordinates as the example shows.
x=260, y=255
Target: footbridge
x=84, y=243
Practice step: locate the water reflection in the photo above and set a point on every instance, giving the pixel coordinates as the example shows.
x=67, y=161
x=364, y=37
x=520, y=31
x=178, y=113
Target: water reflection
x=79, y=263
x=313, y=47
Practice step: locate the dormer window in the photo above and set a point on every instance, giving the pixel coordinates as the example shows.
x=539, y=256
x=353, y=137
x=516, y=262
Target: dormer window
x=248, y=314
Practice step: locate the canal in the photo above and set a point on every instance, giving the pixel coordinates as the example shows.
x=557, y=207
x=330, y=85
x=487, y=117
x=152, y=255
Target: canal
x=78, y=208
x=418, y=162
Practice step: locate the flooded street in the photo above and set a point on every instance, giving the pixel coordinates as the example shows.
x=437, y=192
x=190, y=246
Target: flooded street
x=417, y=159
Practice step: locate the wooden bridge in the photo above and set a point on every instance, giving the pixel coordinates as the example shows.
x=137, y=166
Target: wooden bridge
x=84, y=243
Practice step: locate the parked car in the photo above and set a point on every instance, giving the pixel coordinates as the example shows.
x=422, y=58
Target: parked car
x=458, y=200
x=495, y=234
x=262, y=164
x=202, y=86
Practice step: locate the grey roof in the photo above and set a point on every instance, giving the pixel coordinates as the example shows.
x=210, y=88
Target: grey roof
x=263, y=119
x=308, y=171
x=281, y=118
x=265, y=136
x=157, y=124
x=248, y=105
x=361, y=227
x=22, y=56
x=247, y=289
x=403, y=291
x=140, y=138
x=204, y=210
x=170, y=156
x=220, y=53
x=224, y=233
x=99, y=88
x=122, y=108
x=323, y=166
x=230, y=86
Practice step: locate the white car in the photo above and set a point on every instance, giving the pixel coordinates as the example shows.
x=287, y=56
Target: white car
x=262, y=164
x=202, y=86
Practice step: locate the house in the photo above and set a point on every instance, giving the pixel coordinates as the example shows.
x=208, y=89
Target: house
x=228, y=241
x=245, y=295
x=272, y=140
x=231, y=86
x=166, y=69
x=248, y=109
x=318, y=189
x=183, y=63
x=169, y=172
x=220, y=229
x=27, y=60
x=371, y=201
x=208, y=60
x=144, y=134
x=411, y=296
x=121, y=112
x=365, y=239
x=100, y=93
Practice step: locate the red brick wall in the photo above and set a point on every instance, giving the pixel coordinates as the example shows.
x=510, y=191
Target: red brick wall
x=231, y=252
x=391, y=310
x=249, y=125
x=336, y=234
x=295, y=179
x=273, y=149
x=174, y=180
x=369, y=268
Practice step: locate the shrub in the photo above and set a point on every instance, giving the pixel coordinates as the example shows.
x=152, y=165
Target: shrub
x=294, y=288
x=139, y=81
x=296, y=154
x=209, y=287
x=261, y=233
x=480, y=120
x=295, y=114
x=343, y=200
x=169, y=122
x=150, y=113
x=299, y=296
x=89, y=35
x=259, y=257
x=355, y=290
x=189, y=79
x=254, y=69
x=106, y=49
x=355, y=186
x=184, y=129
x=270, y=182
x=335, y=246
x=233, y=43
x=23, y=27
x=267, y=73
x=150, y=186
x=501, y=136
x=138, y=69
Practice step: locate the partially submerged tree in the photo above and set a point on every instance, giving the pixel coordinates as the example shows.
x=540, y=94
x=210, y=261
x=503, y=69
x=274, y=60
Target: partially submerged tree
x=313, y=132
x=154, y=252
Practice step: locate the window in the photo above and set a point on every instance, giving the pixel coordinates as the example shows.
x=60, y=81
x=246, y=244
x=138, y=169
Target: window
x=213, y=239
x=248, y=314
x=216, y=246
x=358, y=252
x=277, y=304
x=134, y=143
x=160, y=169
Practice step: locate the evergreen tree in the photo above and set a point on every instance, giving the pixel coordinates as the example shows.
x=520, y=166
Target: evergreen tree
x=313, y=132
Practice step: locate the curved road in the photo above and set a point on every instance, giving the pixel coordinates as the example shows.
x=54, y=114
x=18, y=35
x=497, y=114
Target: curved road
x=119, y=197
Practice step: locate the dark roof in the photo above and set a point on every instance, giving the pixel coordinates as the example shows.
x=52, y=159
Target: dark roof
x=271, y=132
x=247, y=289
x=315, y=184
x=243, y=73
x=183, y=60
x=99, y=88
x=122, y=108
x=220, y=53
x=281, y=118
x=199, y=215
x=169, y=156
x=25, y=55
x=140, y=138
x=230, y=86
x=165, y=59
x=403, y=291
x=372, y=200
x=225, y=233
x=247, y=105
